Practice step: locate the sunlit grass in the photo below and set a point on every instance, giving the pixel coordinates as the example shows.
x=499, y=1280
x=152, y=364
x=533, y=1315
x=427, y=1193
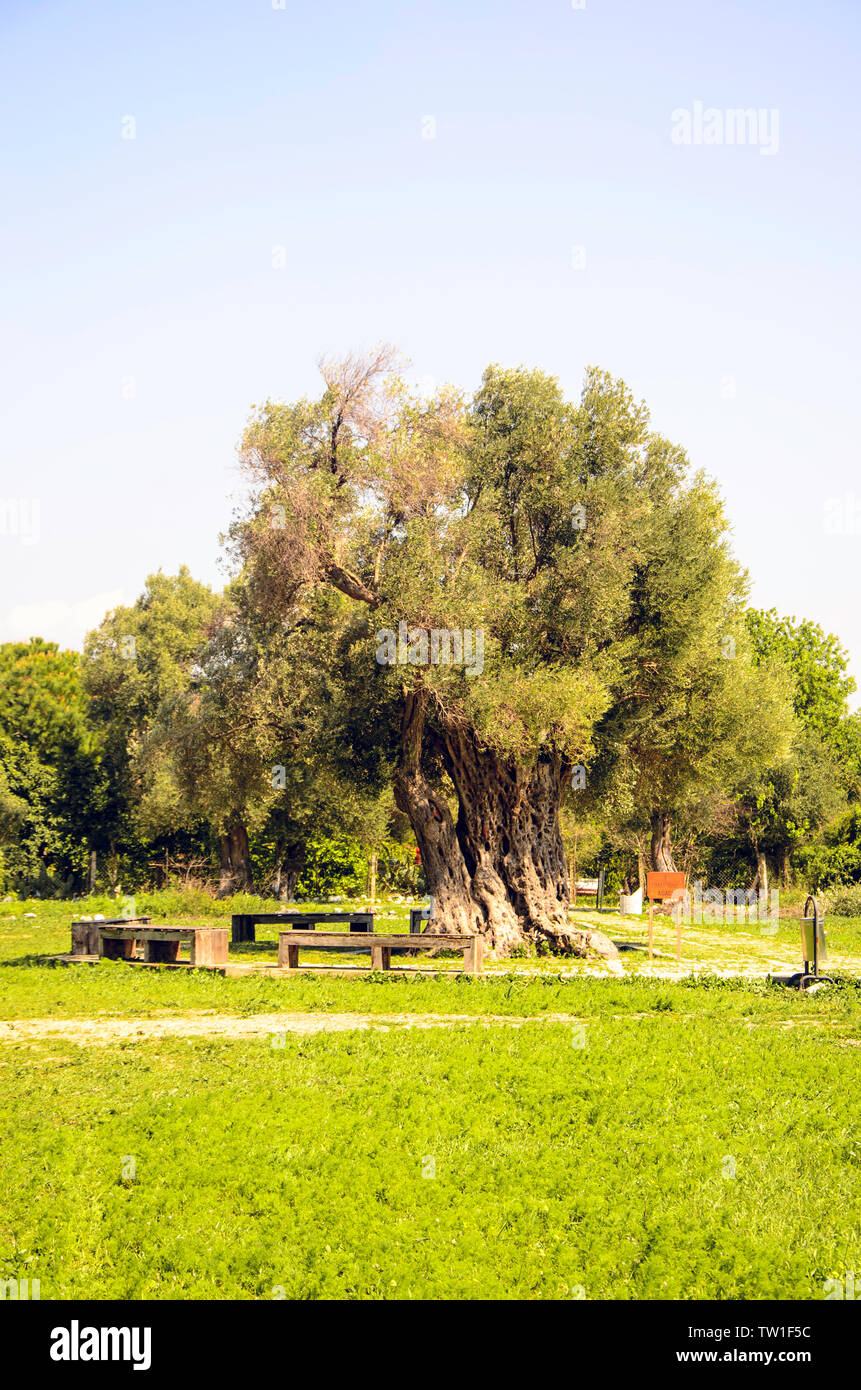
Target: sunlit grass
x=666, y=1158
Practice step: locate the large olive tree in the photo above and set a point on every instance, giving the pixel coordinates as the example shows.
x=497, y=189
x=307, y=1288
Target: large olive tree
x=559, y=551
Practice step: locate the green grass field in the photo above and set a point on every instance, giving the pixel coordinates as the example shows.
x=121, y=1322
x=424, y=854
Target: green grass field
x=619, y=1138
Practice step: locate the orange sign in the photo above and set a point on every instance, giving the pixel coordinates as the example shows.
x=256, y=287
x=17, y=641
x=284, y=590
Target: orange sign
x=660, y=887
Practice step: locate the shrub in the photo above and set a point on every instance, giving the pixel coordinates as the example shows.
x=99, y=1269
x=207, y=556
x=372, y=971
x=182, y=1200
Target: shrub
x=844, y=900
x=397, y=868
x=175, y=902
x=333, y=864
x=828, y=866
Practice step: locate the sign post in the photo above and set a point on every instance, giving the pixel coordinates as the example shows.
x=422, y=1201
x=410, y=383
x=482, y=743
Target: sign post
x=666, y=887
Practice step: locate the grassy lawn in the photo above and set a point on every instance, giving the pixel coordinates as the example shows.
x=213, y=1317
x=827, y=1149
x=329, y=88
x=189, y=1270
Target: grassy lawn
x=687, y=1139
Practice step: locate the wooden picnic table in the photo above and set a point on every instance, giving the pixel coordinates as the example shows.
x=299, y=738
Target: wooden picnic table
x=242, y=924
x=85, y=935
x=161, y=944
x=380, y=946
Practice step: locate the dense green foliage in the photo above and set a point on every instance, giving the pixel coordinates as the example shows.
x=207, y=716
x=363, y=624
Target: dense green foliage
x=179, y=724
x=253, y=740
x=48, y=764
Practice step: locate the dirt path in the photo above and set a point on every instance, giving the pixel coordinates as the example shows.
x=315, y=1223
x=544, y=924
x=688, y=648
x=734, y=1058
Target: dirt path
x=200, y=1024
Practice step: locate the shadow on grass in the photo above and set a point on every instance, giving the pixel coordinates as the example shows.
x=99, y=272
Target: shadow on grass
x=50, y=959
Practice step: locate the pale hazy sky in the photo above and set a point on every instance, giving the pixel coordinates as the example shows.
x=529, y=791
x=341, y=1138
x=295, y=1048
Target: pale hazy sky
x=474, y=182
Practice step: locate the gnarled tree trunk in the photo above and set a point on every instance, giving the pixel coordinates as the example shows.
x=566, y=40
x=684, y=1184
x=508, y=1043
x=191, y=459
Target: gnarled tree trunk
x=289, y=863
x=499, y=868
x=661, y=843
x=235, y=875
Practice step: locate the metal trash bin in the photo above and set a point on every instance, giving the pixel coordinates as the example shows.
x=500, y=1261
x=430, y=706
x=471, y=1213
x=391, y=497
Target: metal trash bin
x=813, y=943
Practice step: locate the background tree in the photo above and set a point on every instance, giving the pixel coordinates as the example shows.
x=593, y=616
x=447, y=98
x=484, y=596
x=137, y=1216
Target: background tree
x=138, y=657
x=246, y=748
x=48, y=766
x=792, y=798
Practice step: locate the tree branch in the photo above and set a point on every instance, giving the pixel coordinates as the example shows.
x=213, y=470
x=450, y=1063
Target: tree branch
x=351, y=585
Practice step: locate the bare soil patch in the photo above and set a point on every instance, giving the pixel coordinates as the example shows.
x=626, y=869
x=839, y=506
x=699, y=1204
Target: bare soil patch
x=201, y=1024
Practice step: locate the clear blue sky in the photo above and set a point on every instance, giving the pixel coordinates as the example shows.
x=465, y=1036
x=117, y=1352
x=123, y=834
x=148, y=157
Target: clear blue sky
x=721, y=282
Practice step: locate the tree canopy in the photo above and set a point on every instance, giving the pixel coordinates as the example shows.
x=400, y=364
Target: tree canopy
x=500, y=627
x=569, y=538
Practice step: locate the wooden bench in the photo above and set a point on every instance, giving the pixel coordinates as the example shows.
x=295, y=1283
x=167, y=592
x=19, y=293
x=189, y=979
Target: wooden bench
x=587, y=887
x=243, y=924
x=85, y=935
x=161, y=944
x=380, y=946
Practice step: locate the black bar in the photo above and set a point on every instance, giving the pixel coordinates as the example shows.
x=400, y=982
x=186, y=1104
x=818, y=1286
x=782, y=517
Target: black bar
x=823, y=1333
